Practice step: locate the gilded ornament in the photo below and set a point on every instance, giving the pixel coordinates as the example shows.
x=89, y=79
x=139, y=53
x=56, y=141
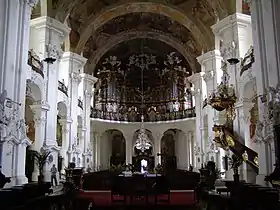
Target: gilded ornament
x=256, y=160
x=245, y=156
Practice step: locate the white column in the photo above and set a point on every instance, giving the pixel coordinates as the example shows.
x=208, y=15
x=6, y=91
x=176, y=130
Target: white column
x=88, y=82
x=244, y=114
x=128, y=147
x=211, y=66
x=93, y=148
x=73, y=63
x=66, y=124
x=39, y=118
x=196, y=80
x=181, y=149
x=157, y=149
x=97, y=151
x=46, y=36
x=14, y=36
x=190, y=148
x=235, y=32
x=265, y=24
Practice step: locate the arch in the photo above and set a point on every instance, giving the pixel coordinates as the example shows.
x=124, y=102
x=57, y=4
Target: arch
x=111, y=12
x=173, y=150
x=167, y=142
x=29, y=119
x=62, y=109
x=115, y=144
x=133, y=34
x=33, y=91
x=248, y=88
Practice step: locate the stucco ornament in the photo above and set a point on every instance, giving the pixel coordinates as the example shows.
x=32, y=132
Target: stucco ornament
x=196, y=150
x=12, y=126
x=274, y=104
x=54, y=51
x=264, y=132
x=31, y=3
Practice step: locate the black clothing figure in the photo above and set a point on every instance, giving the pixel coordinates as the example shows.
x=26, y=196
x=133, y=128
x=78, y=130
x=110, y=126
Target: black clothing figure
x=3, y=179
x=53, y=175
x=191, y=168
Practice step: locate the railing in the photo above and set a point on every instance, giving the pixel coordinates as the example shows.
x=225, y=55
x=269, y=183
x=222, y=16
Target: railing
x=128, y=117
x=62, y=87
x=35, y=63
x=80, y=104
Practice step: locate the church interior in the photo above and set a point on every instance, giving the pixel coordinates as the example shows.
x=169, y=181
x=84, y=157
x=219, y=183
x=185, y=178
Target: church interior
x=162, y=103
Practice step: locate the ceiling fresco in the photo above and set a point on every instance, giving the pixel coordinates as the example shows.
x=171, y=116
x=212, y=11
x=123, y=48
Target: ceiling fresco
x=142, y=22
x=146, y=21
x=95, y=23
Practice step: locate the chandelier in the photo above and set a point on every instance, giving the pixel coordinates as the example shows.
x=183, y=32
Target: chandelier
x=142, y=141
x=224, y=97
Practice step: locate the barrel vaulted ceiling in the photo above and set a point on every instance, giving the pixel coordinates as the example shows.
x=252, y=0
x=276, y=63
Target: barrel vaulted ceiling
x=99, y=25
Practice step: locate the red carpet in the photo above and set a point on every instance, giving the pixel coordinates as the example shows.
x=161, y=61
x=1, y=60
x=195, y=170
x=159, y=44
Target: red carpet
x=103, y=198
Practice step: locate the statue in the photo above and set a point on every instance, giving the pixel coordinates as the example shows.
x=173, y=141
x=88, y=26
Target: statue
x=252, y=128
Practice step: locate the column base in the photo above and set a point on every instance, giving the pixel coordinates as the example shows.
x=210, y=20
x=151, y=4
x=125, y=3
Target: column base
x=35, y=175
x=20, y=180
x=260, y=180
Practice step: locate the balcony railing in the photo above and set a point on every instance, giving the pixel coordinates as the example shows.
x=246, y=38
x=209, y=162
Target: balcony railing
x=35, y=63
x=62, y=87
x=152, y=117
x=80, y=104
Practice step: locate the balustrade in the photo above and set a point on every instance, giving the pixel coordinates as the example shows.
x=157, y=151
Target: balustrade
x=161, y=92
x=35, y=63
x=129, y=117
x=62, y=87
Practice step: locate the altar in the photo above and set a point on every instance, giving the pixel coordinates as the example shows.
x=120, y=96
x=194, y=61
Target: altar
x=138, y=174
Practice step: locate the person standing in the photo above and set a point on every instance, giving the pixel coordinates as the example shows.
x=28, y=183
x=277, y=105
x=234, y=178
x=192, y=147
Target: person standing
x=53, y=175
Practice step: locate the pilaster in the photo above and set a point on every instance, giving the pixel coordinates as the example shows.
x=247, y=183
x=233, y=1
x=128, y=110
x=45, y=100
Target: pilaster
x=211, y=66
x=157, y=150
x=46, y=36
x=190, y=147
x=88, y=82
x=128, y=147
x=235, y=31
x=265, y=24
x=197, y=81
x=72, y=64
x=97, y=151
x=66, y=124
x=39, y=117
x=14, y=36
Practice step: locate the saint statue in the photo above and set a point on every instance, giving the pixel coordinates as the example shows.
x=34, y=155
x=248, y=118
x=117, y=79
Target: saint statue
x=252, y=127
